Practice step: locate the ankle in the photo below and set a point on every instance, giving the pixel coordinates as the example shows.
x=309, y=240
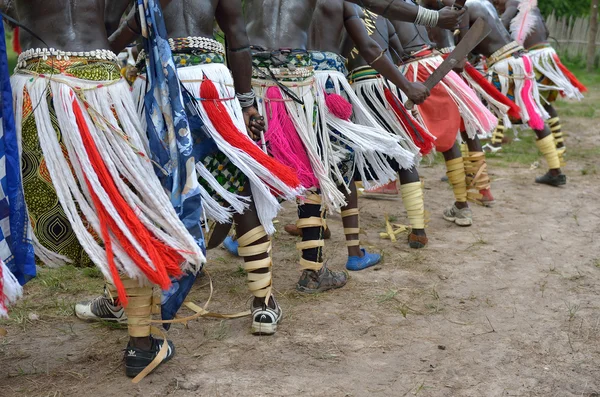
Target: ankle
x=460, y=205
x=140, y=343
x=419, y=232
x=555, y=172
x=355, y=251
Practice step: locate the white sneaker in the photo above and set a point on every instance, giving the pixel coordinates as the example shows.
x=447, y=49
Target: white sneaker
x=100, y=308
x=265, y=319
x=462, y=217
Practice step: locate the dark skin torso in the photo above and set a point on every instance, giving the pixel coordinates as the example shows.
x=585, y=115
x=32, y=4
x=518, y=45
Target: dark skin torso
x=66, y=25
x=412, y=37
x=498, y=37
x=279, y=23
x=327, y=27
x=190, y=18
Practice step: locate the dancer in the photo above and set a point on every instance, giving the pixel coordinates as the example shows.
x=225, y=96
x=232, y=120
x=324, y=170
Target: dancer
x=552, y=76
x=86, y=173
x=362, y=44
x=452, y=107
x=230, y=165
x=511, y=71
x=285, y=85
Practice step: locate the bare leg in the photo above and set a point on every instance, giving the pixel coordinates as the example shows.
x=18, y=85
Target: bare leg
x=412, y=198
x=351, y=221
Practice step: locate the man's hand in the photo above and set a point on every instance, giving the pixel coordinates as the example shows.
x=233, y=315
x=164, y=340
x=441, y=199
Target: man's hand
x=449, y=18
x=255, y=123
x=417, y=93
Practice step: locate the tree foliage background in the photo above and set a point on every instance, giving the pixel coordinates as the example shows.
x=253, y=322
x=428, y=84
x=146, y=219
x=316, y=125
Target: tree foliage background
x=570, y=8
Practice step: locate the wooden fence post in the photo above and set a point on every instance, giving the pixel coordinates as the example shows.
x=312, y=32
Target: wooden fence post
x=591, y=49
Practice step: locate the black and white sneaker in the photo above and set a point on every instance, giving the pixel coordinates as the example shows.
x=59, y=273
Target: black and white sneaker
x=265, y=318
x=101, y=308
x=137, y=359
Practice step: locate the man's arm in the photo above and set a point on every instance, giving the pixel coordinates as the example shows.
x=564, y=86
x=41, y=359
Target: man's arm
x=130, y=29
x=375, y=56
x=408, y=12
x=394, y=42
x=511, y=11
x=231, y=20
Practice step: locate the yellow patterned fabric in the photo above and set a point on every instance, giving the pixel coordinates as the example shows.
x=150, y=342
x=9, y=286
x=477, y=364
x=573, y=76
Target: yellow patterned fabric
x=49, y=222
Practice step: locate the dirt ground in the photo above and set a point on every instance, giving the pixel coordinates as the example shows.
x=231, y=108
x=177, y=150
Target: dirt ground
x=507, y=307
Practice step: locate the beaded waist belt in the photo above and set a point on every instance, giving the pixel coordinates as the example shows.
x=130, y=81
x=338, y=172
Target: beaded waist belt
x=539, y=46
x=45, y=53
x=505, y=52
x=447, y=50
x=190, y=45
x=302, y=72
x=363, y=73
x=196, y=43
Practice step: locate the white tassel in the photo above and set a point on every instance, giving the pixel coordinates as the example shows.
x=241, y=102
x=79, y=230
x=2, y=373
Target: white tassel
x=152, y=205
x=502, y=69
x=10, y=290
x=499, y=109
x=543, y=61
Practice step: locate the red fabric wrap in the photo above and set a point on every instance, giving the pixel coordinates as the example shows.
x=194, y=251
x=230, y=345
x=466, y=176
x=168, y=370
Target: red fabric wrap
x=439, y=112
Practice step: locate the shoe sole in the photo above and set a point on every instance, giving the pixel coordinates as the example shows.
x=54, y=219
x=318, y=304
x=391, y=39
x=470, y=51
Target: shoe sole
x=463, y=222
x=263, y=328
x=101, y=320
x=416, y=245
x=316, y=291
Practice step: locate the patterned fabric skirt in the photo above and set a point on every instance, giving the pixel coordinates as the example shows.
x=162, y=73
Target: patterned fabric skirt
x=48, y=220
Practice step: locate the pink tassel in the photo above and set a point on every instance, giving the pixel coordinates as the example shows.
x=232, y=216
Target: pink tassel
x=535, y=120
x=284, y=143
x=338, y=106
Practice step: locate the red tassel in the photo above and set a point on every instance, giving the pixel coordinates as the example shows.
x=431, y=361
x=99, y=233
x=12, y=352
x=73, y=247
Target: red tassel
x=338, y=106
x=582, y=88
x=226, y=128
x=514, y=111
x=165, y=259
x=16, y=42
x=424, y=141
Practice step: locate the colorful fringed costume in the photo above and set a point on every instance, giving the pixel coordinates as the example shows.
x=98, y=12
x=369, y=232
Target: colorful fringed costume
x=353, y=132
x=500, y=105
x=226, y=158
x=285, y=84
x=89, y=183
x=552, y=76
x=380, y=98
x=511, y=71
x=452, y=105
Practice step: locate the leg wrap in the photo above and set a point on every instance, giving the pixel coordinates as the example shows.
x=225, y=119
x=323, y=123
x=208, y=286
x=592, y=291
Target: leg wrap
x=139, y=308
x=412, y=197
x=257, y=262
x=457, y=177
x=477, y=177
x=498, y=134
x=352, y=239
x=556, y=129
x=548, y=148
x=312, y=222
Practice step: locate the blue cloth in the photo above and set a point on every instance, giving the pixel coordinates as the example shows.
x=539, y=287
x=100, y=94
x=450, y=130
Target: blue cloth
x=16, y=249
x=171, y=142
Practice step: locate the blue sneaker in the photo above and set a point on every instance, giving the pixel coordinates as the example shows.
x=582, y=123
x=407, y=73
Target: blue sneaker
x=356, y=263
x=231, y=245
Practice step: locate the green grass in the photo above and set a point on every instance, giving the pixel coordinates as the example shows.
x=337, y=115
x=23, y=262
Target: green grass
x=522, y=151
